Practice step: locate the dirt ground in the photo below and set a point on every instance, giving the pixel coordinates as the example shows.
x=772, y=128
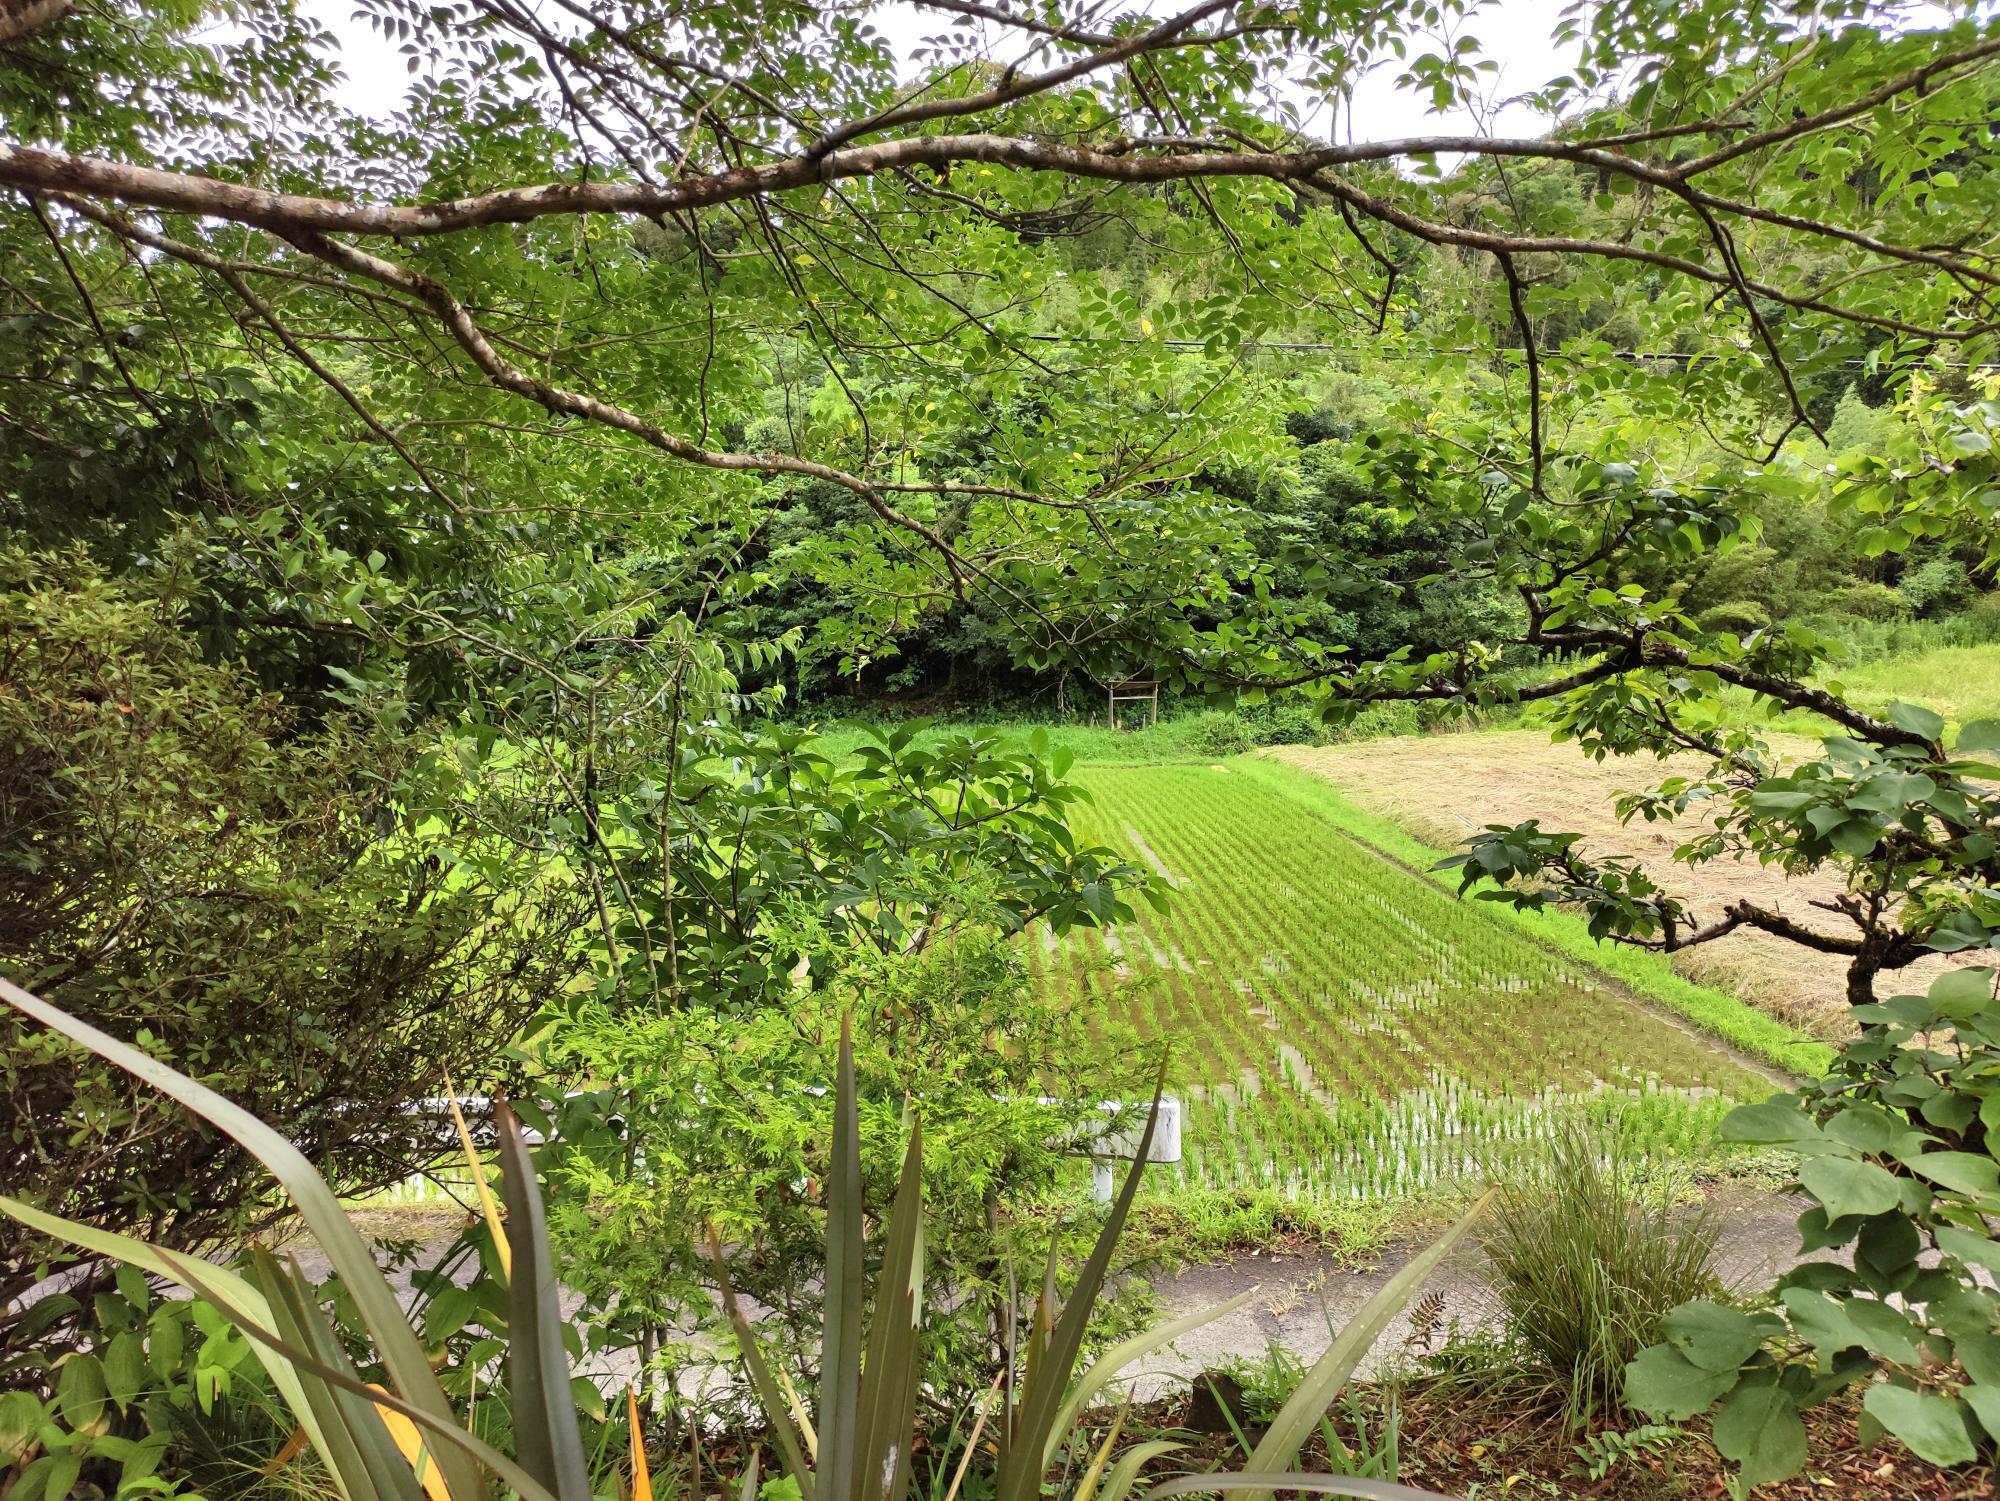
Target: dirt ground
x=1443, y=788
x=1467, y=1443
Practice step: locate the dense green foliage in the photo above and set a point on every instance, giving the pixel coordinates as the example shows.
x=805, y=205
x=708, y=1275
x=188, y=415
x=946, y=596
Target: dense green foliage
x=304, y=916
x=757, y=390
x=717, y=1122
x=462, y=482
x=1896, y=1160
x=379, y=1445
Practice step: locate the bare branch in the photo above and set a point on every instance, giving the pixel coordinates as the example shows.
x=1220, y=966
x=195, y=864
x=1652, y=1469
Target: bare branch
x=509, y=377
x=1516, y=299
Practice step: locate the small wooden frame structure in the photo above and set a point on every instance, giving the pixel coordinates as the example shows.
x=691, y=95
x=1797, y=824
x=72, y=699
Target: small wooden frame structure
x=1133, y=691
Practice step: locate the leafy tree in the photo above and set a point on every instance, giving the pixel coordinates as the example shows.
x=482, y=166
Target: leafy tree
x=720, y=1122
x=750, y=889
x=640, y=275
x=621, y=283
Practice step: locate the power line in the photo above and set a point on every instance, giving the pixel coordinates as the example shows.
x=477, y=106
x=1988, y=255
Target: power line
x=1409, y=354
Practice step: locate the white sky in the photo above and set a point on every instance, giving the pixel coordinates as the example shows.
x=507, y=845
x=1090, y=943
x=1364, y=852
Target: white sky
x=1514, y=33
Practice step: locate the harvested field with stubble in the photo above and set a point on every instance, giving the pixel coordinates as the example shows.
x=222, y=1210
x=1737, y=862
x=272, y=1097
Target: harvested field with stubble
x=1442, y=788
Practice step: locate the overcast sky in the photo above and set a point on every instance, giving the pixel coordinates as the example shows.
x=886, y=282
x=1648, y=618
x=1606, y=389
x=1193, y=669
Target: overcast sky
x=1514, y=33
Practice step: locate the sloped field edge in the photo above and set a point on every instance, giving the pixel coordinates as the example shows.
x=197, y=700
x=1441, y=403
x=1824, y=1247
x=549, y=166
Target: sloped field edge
x=1647, y=975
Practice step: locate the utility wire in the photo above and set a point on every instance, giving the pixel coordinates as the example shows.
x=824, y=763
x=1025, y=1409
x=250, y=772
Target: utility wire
x=1362, y=351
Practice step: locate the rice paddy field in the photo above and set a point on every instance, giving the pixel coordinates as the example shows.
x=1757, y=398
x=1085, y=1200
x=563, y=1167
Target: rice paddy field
x=1346, y=1027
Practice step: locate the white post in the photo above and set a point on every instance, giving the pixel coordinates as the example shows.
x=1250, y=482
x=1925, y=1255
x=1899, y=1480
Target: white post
x=1102, y=1185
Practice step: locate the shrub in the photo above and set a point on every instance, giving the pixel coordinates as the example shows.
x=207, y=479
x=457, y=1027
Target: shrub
x=372, y=1437
x=1586, y=1261
x=1008, y=1074
x=257, y=906
x=1936, y=587
x=1738, y=618
x=1982, y=618
x=1229, y=732
x=1866, y=601
x=1896, y=1154
x=1287, y=723
x=1220, y=732
x=1373, y=721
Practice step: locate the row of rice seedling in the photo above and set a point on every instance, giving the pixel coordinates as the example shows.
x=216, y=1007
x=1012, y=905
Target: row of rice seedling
x=1417, y=1142
x=1344, y=1027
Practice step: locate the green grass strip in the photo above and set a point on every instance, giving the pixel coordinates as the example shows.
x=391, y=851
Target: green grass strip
x=1715, y=1012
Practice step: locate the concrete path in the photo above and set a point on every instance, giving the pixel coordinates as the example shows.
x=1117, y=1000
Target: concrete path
x=1303, y=1302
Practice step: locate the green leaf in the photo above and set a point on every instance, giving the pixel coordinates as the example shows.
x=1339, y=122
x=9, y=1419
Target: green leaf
x=1979, y=738
x=886, y=1408
x=1963, y=990
x=1760, y=1429
x=349, y=1434
x=1772, y=1122
x=1118, y=1483
x=1664, y=1384
x=547, y=1441
x=1712, y=1337
x=1933, y=1428
x=1847, y=1186
x=1916, y=719
x=1885, y=1253
x=20, y=1416
x=80, y=1392
x=770, y=1397
x=1978, y=1250
x=1985, y=1404
x=165, y=1341
x=1820, y=1320
x=1856, y=837
x=52, y=1476
x=1961, y=1172
x=401, y=1352
x=846, y=1289
x=242, y=1303
x=125, y=1371
x=1885, y=1331
x=1978, y=1350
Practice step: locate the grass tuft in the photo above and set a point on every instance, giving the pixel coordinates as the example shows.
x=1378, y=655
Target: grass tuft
x=1586, y=1262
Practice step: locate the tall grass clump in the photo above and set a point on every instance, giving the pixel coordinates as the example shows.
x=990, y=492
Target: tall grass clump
x=1586, y=1259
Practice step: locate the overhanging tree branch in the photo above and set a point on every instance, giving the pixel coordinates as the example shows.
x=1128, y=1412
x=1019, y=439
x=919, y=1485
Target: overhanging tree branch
x=20, y=17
